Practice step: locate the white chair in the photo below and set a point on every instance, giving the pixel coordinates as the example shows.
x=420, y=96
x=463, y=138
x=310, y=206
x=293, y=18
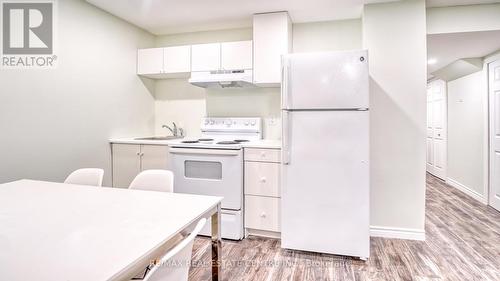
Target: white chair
x=174, y=265
x=86, y=177
x=154, y=180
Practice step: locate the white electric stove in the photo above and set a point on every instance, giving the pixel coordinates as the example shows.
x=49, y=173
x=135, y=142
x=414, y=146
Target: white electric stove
x=224, y=133
x=213, y=165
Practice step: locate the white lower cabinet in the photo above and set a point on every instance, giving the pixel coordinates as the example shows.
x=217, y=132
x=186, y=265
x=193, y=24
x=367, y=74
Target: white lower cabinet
x=262, y=192
x=262, y=213
x=262, y=179
x=130, y=159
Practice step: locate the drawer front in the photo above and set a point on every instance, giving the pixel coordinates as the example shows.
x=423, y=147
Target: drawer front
x=262, y=179
x=262, y=213
x=263, y=155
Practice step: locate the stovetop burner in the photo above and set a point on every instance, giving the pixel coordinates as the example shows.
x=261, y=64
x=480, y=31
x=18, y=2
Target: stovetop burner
x=205, y=139
x=190, y=141
x=227, y=142
x=240, y=141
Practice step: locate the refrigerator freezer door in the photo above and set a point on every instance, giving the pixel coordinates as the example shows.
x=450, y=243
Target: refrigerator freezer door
x=325, y=185
x=334, y=80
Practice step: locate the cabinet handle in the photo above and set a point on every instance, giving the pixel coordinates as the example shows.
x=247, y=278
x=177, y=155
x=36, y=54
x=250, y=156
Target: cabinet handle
x=263, y=154
x=263, y=179
x=263, y=215
x=138, y=154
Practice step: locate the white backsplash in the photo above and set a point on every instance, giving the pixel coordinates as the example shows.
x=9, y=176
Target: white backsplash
x=180, y=102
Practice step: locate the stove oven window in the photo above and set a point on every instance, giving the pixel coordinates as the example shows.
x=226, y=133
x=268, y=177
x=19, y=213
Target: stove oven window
x=203, y=170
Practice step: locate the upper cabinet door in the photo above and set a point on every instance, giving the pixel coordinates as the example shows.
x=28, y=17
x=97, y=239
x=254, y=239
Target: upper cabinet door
x=206, y=57
x=177, y=59
x=150, y=61
x=271, y=39
x=237, y=55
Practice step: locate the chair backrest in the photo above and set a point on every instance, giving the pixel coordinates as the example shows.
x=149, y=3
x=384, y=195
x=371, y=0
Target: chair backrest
x=174, y=265
x=154, y=180
x=89, y=176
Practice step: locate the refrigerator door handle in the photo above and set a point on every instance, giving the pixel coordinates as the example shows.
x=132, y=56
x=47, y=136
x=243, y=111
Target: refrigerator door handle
x=284, y=82
x=285, y=150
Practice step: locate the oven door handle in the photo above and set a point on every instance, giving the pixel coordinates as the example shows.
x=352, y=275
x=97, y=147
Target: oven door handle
x=202, y=151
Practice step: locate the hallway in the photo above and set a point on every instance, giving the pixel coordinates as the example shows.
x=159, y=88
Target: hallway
x=462, y=243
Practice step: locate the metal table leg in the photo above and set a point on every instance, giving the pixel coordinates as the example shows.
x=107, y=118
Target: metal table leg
x=216, y=244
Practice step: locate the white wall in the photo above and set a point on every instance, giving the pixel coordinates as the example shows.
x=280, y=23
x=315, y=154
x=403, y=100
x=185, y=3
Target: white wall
x=467, y=18
x=395, y=36
x=55, y=121
x=327, y=36
x=184, y=104
x=466, y=100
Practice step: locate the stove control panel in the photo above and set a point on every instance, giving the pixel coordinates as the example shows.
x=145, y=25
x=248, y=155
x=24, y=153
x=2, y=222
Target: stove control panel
x=231, y=124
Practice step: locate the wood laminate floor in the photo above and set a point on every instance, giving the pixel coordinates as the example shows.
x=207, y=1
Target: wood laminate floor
x=462, y=243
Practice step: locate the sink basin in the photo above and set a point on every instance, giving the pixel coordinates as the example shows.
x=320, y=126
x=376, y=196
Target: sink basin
x=159, y=138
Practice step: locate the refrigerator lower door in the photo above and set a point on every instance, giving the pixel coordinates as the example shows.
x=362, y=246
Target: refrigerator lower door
x=325, y=182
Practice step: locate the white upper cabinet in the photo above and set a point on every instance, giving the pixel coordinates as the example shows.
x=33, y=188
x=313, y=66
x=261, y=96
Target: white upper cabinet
x=150, y=61
x=206, y=57
x=167, y=62
x=177, y=59
x=236, y=55
x=272, y=34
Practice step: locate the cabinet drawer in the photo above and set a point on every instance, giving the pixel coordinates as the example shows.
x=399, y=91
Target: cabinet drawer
x=263, y=155
x=262, y=213
x=262, y=179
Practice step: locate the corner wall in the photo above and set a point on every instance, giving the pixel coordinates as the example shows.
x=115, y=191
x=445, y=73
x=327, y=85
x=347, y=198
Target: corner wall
x=55, y=121
x=395, y=36
x=466, y=101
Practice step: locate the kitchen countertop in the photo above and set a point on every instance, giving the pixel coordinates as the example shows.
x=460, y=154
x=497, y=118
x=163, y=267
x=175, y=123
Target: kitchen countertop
x=272, y=144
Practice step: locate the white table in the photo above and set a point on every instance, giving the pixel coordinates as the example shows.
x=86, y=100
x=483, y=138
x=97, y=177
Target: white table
x=53, y=231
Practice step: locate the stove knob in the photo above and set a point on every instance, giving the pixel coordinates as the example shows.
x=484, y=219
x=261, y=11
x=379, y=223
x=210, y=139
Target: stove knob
x=212, y=122
x=206, y=122
x=228, y=123
x=253, y=123
x=246, y=123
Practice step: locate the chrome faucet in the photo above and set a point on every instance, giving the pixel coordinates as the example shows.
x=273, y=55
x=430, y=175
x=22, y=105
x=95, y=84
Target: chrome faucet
x=176, y=132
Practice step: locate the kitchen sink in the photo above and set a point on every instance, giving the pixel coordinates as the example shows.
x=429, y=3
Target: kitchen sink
x=159, y=138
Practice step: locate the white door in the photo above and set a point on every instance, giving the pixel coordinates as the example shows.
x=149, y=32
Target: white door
x=177, y=59
x=154, y=157
x=236, y=55
x=271, y=40
x=150, y=61
x=126, y=164
x=325, y=173
x=436, y=128
x=205, y=57
x=339, y=80
x=494, y=85
x=213, y=172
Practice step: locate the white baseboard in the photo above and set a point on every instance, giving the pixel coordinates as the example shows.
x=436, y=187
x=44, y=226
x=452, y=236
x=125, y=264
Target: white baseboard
x=472, y=193
x=375, y=231
x=263, y=233
x=397, y=233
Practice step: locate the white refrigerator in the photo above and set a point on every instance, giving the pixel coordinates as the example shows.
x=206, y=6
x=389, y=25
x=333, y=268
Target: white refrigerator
x=325, y=153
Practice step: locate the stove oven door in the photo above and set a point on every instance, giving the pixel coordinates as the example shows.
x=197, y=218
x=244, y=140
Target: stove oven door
x=216, y=172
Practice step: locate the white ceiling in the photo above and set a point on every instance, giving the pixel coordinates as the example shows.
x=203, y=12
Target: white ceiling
x=446, y=3
x=447, y=48
x=177, y=16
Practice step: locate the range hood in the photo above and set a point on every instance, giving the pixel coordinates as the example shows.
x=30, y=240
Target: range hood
x=222, y=79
